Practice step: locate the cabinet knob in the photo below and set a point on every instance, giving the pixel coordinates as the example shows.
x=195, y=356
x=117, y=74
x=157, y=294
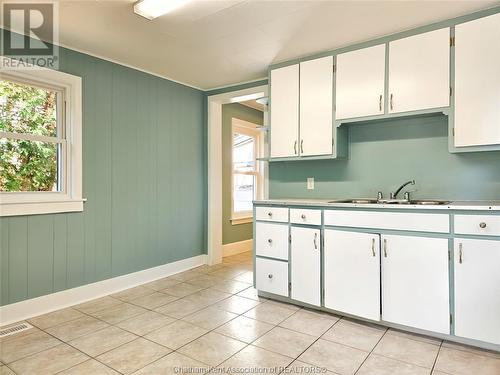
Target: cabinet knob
x=269, y=214
x=482, y=225
x=270, y=275
x=270, y=241
x=303, y=217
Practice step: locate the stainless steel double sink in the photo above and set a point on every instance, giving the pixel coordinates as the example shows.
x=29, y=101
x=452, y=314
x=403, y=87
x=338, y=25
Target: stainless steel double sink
x=423, y=202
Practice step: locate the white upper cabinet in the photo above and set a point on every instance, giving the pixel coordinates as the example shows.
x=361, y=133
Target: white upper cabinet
x=419, y=72
x=415, y=285
x=477, y=289
x=285, y=111
x=477, y=82
x=360, y=80
x=316, y=106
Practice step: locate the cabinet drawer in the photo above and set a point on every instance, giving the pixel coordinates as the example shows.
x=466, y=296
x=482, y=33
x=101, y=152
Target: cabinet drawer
x=271, y=240
x=301, y=216
x=485, y=225
x=279, y=214
x=439, y=223
x=271, y=276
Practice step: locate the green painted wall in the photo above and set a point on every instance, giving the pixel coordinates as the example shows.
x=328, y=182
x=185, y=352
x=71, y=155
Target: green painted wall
x=233, y=233
x=385, y=154
x=144, y=175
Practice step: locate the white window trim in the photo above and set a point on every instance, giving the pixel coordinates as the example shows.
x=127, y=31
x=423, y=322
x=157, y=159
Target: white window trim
x=251, y=129
x=70, y=198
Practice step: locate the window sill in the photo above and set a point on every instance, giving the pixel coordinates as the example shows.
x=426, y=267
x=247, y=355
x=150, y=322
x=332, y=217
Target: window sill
x=242, y=220
x=39, y=208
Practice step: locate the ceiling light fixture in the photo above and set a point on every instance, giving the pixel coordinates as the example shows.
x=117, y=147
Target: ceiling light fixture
x=151, y=9
x=244, y=98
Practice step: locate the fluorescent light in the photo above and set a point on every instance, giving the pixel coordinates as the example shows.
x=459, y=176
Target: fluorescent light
x=244, y=98
x=151, y=9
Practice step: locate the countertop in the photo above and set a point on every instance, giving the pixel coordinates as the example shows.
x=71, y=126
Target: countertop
x=454, y=205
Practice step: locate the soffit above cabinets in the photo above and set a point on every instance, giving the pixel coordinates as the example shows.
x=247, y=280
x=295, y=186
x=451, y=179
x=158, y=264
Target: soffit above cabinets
x=209, y=44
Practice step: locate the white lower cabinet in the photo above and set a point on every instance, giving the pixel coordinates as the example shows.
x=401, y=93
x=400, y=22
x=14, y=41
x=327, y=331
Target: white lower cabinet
x=477, y=289
x=415, y=284
x=271, y=276
x=352, y=273
x=305, y=256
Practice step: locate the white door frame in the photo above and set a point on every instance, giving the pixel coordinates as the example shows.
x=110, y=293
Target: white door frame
x=214, y=140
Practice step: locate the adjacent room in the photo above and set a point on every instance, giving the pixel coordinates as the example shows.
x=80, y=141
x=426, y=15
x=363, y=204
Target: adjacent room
x=250, y=187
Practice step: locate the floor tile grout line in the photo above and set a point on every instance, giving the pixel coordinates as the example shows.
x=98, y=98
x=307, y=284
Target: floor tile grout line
x=437, y=356
x=371, y=351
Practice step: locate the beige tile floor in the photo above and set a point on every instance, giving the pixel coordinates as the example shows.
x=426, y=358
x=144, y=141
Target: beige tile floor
x=210, y=319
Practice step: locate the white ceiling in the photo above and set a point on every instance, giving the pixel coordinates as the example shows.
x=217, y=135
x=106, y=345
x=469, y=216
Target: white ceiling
x=209, y=44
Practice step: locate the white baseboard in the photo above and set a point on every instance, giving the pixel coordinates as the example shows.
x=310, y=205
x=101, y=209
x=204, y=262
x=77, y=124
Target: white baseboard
x=237, y=247
x=41, y=305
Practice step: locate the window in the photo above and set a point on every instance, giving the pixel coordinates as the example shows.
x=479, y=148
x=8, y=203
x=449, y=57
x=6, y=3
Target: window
x=40, y=142
x=246, y=179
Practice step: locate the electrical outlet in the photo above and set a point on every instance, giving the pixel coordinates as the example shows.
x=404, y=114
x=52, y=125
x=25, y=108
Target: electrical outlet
x=310, y=183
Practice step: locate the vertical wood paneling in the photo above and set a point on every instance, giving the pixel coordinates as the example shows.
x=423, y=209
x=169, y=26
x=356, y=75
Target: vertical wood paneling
x=18, y=259
x=4, y=261
x=60, y=253
x=103, y=168
x=40, y=255
x=143, y=173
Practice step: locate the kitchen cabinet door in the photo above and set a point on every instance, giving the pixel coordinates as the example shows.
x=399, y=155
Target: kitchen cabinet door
x=419, y=72
x=284, y=103
x=477, y=82
x=415, y=285
x=316, y=107
x=352, y=273
x=360, y=80
x=477, y=289
x=305, y=268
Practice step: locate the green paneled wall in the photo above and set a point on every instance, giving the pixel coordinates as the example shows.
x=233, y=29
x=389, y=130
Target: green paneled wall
x=144, y=175
x=233, y=233
x=387, y=153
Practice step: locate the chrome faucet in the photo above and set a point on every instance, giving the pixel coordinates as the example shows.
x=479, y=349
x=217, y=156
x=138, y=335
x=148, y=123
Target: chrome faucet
x=407, y=196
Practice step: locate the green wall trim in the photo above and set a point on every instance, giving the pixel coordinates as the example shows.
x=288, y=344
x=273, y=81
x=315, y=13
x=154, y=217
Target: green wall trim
x=236, y=87
x=233, y=233
x=144, y=175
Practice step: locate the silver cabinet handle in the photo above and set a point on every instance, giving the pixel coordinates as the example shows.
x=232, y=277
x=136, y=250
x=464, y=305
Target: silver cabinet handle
x=315, y=241
x=482, y=225
x=270, y=276
x=373, y=246
x=385, y=247
x=270, y=241
x=295, y=147
x=380, y=103
x=392, y=102
x=301, y=146
x=303, y=217
x=460, y=252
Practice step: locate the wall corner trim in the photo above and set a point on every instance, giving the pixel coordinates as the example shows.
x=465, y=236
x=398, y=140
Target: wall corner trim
x=45, y=304
x=237, y=247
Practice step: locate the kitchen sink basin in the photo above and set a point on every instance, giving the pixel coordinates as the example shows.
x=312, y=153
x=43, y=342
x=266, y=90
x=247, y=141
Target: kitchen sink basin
x=422, y=202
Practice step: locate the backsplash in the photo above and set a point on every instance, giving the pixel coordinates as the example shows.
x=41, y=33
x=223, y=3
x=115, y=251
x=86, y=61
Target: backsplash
x=385, y=154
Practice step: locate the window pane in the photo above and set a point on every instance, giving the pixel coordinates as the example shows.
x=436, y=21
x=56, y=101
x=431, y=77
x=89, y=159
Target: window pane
x=27, y=109
x=243, y=192
x=243, y=152
x=28, y=165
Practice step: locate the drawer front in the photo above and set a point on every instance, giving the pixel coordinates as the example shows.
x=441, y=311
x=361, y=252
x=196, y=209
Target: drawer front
x=302, y=216
x=439, y=223
x=271, y=240
x=271, y=276
x=483, y=225
x=279, y=214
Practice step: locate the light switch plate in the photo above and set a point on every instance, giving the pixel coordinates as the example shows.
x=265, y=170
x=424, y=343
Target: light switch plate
x=310, y=183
